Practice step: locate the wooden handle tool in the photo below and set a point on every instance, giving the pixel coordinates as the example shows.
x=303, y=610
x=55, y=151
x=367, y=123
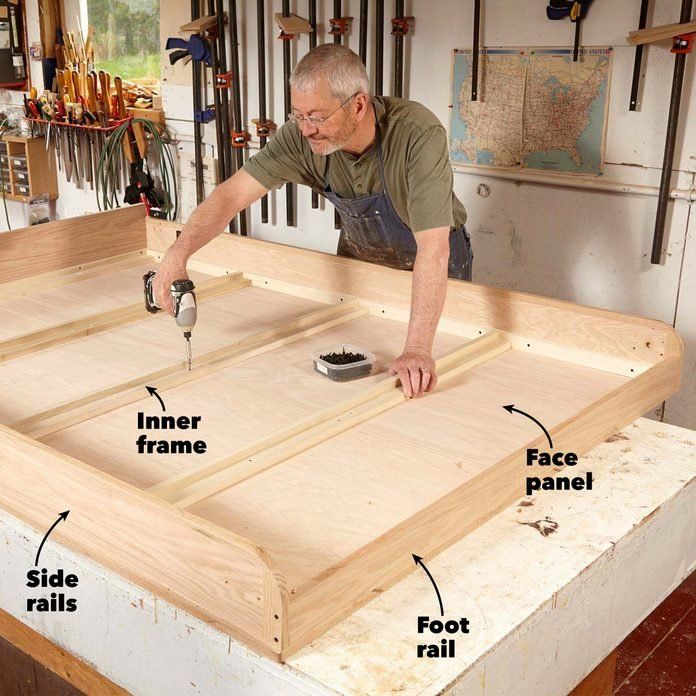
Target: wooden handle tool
x=92, y=91
x=105, y=98
x=122, y=113
x=75, y=92
x=119, y=95
x=83, y=78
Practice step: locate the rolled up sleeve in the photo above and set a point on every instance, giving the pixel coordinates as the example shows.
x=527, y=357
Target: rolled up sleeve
x=430, y=180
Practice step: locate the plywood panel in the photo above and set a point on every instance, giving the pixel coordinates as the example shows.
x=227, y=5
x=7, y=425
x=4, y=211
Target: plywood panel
x=239, y=405
x=53, y=306
x=39, y=381
x=562, y=323
x=24, y=252
x=329, y=501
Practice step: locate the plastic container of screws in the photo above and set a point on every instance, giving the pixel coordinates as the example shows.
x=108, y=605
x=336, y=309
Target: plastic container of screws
x=343, y=362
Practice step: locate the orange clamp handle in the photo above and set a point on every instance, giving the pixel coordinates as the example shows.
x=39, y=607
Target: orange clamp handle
x=401, y=25
x=684, y=43
x=240, y=138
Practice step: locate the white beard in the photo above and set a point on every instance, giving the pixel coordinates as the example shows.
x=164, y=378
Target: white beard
x=325, y=147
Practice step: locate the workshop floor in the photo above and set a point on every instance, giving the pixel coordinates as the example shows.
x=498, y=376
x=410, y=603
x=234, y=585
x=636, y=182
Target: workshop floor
x=657, y=659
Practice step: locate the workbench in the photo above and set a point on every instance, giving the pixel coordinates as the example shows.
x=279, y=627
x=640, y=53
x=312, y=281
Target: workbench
x=544, y=610
x=302, y=499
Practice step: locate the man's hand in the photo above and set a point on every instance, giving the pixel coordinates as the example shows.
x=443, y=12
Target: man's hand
x=172, y=268
x=416, y=370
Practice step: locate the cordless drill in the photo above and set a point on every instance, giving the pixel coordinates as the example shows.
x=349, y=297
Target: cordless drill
x=185, y=311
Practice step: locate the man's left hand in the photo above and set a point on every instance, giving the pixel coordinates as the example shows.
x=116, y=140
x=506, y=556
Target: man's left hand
x=416, y=370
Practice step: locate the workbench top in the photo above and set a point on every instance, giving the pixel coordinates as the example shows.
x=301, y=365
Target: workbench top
x=543, y=609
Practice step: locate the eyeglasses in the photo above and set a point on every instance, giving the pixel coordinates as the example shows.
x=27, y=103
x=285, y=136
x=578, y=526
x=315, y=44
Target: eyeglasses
x=316, y=121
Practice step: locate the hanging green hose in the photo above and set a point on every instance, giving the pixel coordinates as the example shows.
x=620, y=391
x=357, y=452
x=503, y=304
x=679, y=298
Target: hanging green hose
x=2, y=178
x=107, y=179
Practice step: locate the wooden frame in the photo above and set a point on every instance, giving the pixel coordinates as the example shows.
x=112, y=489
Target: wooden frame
x=176, y=534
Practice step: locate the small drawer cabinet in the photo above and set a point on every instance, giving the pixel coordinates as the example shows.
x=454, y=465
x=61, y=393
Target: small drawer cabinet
x=25, y=168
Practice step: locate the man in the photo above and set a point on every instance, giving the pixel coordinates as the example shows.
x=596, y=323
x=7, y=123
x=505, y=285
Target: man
x=383, y=162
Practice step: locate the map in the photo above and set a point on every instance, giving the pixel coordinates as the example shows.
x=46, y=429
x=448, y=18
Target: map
x=536, y=109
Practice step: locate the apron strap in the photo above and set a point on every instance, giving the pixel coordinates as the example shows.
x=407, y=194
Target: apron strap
x=380, y=159
x=326, y=171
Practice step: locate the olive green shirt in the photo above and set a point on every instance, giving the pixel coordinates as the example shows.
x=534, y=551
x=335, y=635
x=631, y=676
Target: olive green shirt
x=416, y=165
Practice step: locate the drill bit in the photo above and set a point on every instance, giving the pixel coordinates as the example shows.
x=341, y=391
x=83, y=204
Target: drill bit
x=188, y=350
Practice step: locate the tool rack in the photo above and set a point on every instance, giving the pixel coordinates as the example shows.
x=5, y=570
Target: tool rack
x=43, y=125
x=313, y=495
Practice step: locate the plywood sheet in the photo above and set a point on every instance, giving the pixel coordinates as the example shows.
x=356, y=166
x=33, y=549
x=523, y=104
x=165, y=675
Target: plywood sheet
x=41, y=380
x=82, y=298
x=239, y=405
x=329, y=501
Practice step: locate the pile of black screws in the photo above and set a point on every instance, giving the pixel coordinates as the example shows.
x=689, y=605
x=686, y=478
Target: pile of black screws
x=342, y=358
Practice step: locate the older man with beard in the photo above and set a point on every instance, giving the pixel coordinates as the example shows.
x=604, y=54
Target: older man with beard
x=383, y=162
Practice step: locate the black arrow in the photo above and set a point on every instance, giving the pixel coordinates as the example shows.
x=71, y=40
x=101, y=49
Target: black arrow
x=419, y=561
x=512, y=408
x=153, y=392
x=62, y=516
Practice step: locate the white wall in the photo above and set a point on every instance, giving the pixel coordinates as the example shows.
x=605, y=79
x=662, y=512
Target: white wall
x=588, y=247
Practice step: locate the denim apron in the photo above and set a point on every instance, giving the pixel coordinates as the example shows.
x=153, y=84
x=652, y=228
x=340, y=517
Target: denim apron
x=371, y=229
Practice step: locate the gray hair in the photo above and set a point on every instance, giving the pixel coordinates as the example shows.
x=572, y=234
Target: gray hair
x=342, y=69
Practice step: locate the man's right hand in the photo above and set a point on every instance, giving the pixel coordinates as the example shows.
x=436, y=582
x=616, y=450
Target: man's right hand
x=172, y=268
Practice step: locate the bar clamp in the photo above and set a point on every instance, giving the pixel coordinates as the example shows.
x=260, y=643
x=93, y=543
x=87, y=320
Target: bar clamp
x=263, y=127
x=240, y=138
x=401, y=25
x=339, y=25
x=684, y=43
x=223, y=80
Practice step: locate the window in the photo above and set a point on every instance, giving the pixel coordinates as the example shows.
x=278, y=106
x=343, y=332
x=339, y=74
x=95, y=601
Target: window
x=126, y=37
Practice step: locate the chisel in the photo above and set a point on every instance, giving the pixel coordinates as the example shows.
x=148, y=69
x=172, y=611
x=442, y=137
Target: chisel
x=61, y=138
x=92, y=91
x=76, y=151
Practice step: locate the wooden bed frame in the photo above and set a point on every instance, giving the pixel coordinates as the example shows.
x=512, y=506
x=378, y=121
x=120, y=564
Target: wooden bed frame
x=313, y=495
